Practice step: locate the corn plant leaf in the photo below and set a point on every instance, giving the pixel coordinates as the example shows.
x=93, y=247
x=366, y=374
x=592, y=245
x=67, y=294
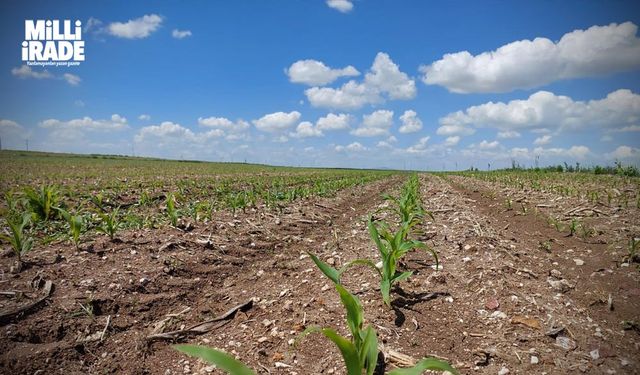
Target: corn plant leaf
x=422, y=366
x=385, y=286
x=355, y=317
x=401, y=276
x=222, y=360
x=423, y=246
x=375, y=236
x=64, y=213
x=369, y=350
x=328, y=271
x=348, y=350
x=358, y=262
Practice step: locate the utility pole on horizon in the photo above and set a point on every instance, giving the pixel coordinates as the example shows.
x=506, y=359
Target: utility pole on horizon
x=26, y=141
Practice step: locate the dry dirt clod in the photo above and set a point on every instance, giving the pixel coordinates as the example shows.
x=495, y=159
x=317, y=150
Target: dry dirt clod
x=565, y=343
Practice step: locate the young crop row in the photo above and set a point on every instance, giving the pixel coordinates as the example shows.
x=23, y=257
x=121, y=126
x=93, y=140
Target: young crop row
x=610, y=190
x=360, y=350
x=49, y=213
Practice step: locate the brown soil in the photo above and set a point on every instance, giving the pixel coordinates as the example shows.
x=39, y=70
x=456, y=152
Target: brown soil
x=492, y=305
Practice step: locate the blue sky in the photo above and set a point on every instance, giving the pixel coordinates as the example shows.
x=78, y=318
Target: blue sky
x=394, y=84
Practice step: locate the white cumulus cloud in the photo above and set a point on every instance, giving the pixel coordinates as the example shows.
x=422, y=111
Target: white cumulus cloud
x=375, y=124
x=410, y=122
x=452, y=141
x=316, y=73
x=420, y=147
x=352, y=147
x=624, y=153
x=116, y=122
x=137, y=28
x=486, y=145
x=180, y=34
x=343, y=6
x=384, y=80
x=524, y=64
x=541, y=141
x=334, y=122
x=25, y=71
x=223, y=124
x=306, y=129
x=508, y=134
x=545, y=110
x=276, y=122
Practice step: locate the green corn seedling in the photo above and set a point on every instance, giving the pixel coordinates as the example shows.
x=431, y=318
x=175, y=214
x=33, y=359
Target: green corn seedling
x=171, y=209
x=392, y=247
x=222, y=360
x=109, y=224
x=361, y=352
x=43, y=202
x=98, y=201
x=21, y=242
x=573, y=227
x=76, y=224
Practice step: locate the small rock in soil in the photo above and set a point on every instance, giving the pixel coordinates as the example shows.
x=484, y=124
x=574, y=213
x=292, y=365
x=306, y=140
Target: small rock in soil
x=534, y=360
x=565, y=343
x=579, y=262
x=503, y=371
x=560, y=286
x=492, y=304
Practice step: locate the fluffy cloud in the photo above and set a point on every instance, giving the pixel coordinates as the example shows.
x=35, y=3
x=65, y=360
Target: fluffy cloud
x=623, y=153
x=144, y=117
x=525, y=64
x=180, y=34
x=420, y=147
x=276, y=122
x=315, y=73
x=233, y=131
x=9, y=125
x=388, y=143
x=384, y=80
x=165, y=129
x=451, y=141
x=486, y=145
x=137, y=28
x=334, y=122
x=375, y=124
x=541, y=141
x=76, y=130
x=169, y=132
x=544, y=109
x=343, y=6
x=26, y=72
x=306, y=129
x=223, y=124
x=451, y=129
x=410, y=122
x=352, y=147
x=508, y=134
x=116, y=122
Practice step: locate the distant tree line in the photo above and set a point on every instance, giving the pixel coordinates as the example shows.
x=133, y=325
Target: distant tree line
x=617, y=169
